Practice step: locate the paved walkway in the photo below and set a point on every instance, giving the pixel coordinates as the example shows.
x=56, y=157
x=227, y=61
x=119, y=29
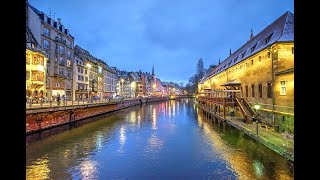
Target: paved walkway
x=282, y=143
x=68, y=103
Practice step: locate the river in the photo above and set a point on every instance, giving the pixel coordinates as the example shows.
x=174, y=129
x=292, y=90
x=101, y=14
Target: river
x=164, y=140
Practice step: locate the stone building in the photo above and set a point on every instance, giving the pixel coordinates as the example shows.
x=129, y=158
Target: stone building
x=110, y=81
x=92, y=66
x=263, y=70
x=80, y=79
x=36, y=65
x=58, y=43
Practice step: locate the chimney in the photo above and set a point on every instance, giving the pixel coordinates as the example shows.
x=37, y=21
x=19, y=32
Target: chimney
x=59, y=21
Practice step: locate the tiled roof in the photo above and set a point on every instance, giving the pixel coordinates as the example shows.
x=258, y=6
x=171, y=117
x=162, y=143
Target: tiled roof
x=281, y=30
x=207, y=73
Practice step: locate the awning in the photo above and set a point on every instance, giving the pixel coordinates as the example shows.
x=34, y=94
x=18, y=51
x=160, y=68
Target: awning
x=231, y=83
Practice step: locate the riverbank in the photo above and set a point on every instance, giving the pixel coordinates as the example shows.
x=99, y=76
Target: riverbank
x=280, y=143
x=39, y=119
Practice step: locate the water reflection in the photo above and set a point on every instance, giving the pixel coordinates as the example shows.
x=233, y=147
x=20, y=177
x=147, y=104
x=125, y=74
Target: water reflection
x=160, y=138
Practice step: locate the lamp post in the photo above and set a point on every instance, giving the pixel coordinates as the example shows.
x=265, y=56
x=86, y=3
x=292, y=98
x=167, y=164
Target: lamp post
x=256, y=107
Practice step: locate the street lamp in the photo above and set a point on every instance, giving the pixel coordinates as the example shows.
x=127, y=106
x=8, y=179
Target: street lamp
x=256, y=107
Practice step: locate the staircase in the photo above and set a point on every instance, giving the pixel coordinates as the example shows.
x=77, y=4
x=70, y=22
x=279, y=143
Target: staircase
x=245, y=109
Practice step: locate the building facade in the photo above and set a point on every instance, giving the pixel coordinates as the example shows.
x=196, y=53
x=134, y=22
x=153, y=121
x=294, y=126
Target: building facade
x=263, y=70
x=58, y=43
x=110, y=82
x=36, y=65
x=80, y=79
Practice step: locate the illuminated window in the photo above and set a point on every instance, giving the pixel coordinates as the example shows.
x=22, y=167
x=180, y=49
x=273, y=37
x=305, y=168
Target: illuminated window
x=68, y=63
x=269, y=90
x=252, y=90
x=260, y=90
x=27, y=75
x=28, y=58
x=283, y=88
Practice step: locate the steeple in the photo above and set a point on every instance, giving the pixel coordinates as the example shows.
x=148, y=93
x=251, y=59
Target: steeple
x=251, y=35
x=152, y=69
x=230, y=52
x=219, y=61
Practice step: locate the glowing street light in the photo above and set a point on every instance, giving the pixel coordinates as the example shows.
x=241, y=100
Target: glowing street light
x=257, y=107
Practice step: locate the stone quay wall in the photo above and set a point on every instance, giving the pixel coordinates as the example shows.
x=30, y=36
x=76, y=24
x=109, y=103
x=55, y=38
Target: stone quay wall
x=46, y=118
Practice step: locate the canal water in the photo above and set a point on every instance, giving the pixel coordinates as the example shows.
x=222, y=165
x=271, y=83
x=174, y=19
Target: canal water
x=164, y=140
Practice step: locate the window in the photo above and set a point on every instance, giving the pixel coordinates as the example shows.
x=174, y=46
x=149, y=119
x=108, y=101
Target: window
x=260, y=90
x=79, y=77
x=85, y=71
x=247, y=91
x=259, y=58
x=246, y=64
x=86, y=78
x=68, y=43
x=27, y=75
x=46, y=32
x=268, y=55
x=61, y=61
x=283, y=89
x=81, y=70
x=269, y=90
x=235, y=60
x=68, y=63
x=68, y=54
x=292, y=50
x=253, y=48
x=268, y=38
x=78, y=69
x=46, y=44
x=69, y=74
x=252, y=90
x=61, y=72
x=61, y=49
x=242, y=55
x=252, y=62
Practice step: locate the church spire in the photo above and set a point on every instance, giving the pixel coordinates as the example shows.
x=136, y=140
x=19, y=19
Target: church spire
x=230, y=52
x=251, y=35
x=219, y=61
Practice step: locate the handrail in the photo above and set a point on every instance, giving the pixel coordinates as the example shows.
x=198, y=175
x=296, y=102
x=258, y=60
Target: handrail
x=247, y=104
x=242, y=109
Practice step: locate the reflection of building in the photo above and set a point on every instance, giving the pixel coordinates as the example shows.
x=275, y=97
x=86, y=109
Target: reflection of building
x=263, y=70
x=57, y=41
x=35, y=67
x=80, y=79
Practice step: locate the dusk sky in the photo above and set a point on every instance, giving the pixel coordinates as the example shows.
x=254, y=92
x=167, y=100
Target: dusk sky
x=171, y=34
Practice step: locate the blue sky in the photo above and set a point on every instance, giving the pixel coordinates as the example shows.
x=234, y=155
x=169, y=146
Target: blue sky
x=171, y=34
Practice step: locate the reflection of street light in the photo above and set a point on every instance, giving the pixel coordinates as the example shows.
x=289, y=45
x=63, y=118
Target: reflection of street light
x=257, y=106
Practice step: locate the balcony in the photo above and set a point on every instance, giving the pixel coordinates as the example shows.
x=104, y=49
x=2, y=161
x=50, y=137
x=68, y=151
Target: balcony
x=37, y=67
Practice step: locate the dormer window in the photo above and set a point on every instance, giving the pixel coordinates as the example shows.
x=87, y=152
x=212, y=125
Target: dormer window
x=253, y=48
x=268, y=38
x=242, y=55
x=46, y=32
